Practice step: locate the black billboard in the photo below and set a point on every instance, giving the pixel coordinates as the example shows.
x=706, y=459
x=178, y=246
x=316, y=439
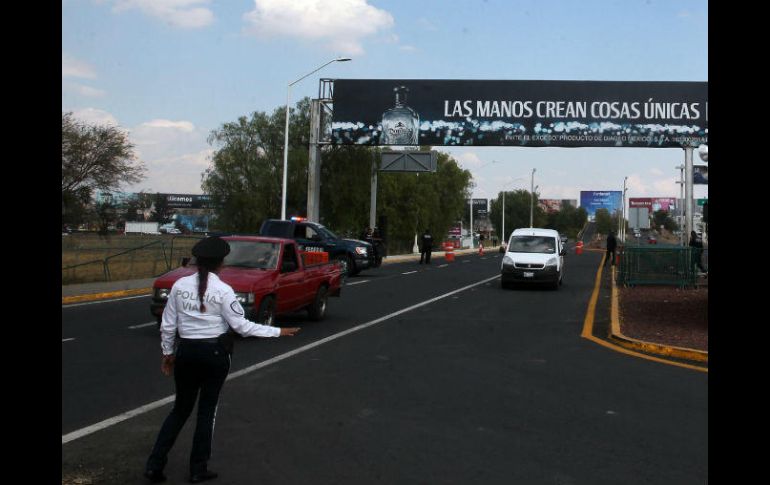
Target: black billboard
x=655, y=114
x=186, y=201
x=480, y=208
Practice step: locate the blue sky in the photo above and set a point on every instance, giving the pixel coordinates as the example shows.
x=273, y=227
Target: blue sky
x=170, y=71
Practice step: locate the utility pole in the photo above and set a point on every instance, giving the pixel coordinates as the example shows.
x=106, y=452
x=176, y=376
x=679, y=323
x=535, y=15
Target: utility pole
x=532, y=198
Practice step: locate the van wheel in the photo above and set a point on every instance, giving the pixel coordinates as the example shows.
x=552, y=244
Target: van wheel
x=317, y=310
x=266, y=311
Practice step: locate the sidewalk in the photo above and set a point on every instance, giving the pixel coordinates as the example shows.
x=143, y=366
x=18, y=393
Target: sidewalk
x=115, y=289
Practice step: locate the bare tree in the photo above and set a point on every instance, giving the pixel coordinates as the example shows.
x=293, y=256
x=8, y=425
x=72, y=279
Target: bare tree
x=94, y=157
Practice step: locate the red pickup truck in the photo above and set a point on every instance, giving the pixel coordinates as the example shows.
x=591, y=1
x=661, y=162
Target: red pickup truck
x=269, y=277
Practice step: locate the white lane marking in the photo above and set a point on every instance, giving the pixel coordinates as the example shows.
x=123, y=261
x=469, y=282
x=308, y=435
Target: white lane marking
x=132, y=327
x=66, y=339
x=409, y=272
x=484, y=257
x=466, y=261
x=72, y=305
x=443, y=266
x=166, y=400
x=357, y=282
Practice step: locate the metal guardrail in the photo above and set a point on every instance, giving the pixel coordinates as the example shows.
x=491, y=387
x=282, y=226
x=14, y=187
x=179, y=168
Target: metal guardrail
x=670, y=265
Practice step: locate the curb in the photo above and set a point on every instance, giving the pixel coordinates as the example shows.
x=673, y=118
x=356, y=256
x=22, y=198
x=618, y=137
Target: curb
x=67, y=300
x=632, y=343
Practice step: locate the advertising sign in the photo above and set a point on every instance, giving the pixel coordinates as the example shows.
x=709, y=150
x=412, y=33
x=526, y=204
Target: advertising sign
x=519, y=113
x=654, y=204
x=700, y=174
x=480, y=208
x=592, y=200
x=455, y=231
x=186, y=201
x=555, y=205
x=639, y=217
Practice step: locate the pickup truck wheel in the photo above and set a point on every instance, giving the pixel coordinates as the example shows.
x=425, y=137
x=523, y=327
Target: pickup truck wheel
x=266, y=312
x=347, y=266
x=317, y=309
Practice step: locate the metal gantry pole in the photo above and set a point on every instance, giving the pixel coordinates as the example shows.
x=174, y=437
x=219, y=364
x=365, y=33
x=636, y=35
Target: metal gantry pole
x=688, y=190
x=532, y=199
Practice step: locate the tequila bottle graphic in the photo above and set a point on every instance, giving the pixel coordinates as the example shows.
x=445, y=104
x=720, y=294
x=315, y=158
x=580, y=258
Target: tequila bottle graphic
x=400, y=124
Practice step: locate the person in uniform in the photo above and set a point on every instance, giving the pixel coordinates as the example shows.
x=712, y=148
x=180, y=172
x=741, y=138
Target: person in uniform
x=611, y=245
x=426, y=247
x=202, y=309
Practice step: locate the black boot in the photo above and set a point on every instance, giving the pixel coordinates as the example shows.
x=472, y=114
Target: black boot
x=203, y=476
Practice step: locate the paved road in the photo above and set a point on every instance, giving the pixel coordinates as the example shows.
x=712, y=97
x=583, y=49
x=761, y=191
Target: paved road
x=483, y=386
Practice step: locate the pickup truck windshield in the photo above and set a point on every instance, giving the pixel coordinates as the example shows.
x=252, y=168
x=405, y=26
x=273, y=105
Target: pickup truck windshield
x=532, y=244
x=251, y=254
x=327, y=233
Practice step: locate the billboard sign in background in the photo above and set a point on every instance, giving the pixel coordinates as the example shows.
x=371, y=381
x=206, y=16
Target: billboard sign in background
x=591, y=200
x=700, y=174
x=555, y=205
x=186, y=201
x=480, y=208
x=654, y=204
x=639, y=217
x=520, y=113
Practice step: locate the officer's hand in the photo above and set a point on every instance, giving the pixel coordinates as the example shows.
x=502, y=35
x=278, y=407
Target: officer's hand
x=289, y=331
x=167, y=364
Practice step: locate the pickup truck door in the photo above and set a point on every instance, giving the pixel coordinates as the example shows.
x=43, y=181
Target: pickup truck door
x=308, y=239
x=291, y=281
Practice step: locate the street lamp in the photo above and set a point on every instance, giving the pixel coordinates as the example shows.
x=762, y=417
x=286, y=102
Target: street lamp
x=286, y=132
x=622, y=221
x=504, y=186
x=532, y=198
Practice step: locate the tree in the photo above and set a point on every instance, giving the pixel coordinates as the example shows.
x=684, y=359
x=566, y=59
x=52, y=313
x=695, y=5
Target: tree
x=94, y=157
x=604, y=222
x=517, y=210
x=663, y=218
x=246, y=180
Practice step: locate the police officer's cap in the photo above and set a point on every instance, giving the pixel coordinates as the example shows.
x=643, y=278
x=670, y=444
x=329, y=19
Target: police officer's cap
x=211, y=247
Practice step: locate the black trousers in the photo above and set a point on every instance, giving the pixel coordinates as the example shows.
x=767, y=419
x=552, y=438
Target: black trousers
x=425, y=256
x=610, y=257
x=200, y=370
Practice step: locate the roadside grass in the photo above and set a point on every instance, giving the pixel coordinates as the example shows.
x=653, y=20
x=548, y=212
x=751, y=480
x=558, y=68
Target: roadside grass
x=91, y=257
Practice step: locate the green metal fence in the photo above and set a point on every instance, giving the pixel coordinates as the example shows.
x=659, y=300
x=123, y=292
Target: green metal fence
x=667, y=265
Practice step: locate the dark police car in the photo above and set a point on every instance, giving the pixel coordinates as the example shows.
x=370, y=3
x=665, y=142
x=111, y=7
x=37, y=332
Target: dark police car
x=353, y=254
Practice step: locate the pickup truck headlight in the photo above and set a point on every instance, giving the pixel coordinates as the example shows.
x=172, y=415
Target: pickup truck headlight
x=507, y=261
x=361, y=250
x=244, y=298
x=162, y=293
x=551, y=262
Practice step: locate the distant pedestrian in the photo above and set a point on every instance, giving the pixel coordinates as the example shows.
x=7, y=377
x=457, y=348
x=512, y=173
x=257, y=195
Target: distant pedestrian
x=426, y=246
x=201, y=308
x=611, y=245
x=696, y=253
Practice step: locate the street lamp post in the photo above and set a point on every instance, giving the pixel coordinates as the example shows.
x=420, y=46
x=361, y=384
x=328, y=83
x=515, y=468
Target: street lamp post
x=286, y=132
x=502, y=238
x=622, y=221
x=532, y=198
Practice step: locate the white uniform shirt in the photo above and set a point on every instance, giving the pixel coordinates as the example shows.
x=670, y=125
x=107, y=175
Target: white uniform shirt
x=183, y=313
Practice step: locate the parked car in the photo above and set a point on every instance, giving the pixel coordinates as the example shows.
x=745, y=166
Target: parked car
x=269, y=277
x=533, y=255
x=652, y=239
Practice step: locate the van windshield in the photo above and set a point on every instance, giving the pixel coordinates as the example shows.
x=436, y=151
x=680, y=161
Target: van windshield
x=532, y=244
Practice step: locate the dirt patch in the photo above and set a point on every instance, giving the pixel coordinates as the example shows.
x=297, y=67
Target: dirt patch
x=665, y=315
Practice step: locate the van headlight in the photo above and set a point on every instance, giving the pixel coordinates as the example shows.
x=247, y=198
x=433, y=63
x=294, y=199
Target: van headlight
x=162, y=293
x=507, y=261
x=551, y=262
x=361, y=250
x=244, y=298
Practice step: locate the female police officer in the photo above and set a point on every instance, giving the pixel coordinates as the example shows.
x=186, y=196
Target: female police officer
x=202, y=358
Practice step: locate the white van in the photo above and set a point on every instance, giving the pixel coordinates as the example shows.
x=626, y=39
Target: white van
x=533, y=256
